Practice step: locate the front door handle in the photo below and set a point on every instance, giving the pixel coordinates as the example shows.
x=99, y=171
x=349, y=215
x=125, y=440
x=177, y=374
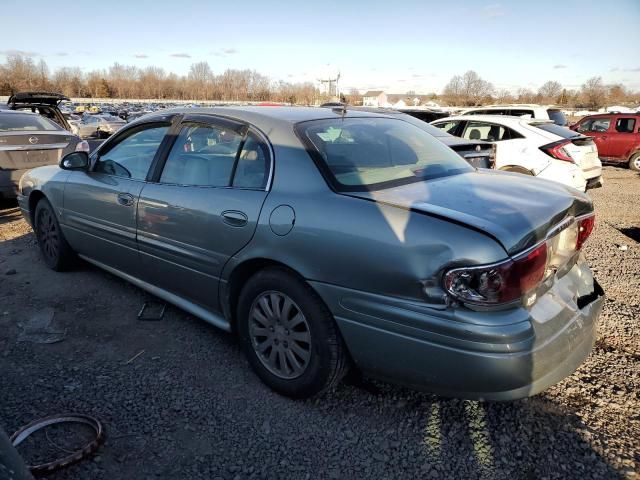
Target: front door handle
x=125, y=199
x=234, y=218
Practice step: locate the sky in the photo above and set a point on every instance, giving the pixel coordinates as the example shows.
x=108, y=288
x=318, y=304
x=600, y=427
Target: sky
x=392, y=46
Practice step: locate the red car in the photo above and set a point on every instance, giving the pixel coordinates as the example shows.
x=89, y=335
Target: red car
x=617, y=136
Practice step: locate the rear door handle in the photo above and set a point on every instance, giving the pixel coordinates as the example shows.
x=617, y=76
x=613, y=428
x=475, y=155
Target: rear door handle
x=125, y=199
x=234, y=218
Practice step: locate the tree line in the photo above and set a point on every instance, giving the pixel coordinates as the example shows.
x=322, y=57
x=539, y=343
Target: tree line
x=21, y=73
x=471, y=89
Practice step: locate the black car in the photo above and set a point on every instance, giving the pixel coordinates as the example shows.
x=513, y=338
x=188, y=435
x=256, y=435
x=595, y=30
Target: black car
x=46, y=104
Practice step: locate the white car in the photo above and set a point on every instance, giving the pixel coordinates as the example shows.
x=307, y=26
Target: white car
x=533, y=147
x=527, y=110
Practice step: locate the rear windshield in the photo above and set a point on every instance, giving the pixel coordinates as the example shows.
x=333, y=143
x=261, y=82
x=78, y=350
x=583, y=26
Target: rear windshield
x=563, y=132
x=11, y=122
x=557, y=116
x=364, y=154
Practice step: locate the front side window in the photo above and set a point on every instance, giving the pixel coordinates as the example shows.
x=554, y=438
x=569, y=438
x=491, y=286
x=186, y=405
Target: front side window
x=202, y=155
x=626, y=125
x=364, y=154
x=595, y=125
x=132, y=156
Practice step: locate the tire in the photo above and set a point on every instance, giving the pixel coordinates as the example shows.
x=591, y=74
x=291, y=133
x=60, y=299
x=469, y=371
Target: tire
x=56, y=252
x=634, y=162
x=307, y=335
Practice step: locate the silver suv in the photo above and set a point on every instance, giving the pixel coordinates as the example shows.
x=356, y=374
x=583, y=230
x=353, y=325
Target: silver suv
x=522, y=110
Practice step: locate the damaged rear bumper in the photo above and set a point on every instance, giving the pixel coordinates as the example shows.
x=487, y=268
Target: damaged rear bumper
x=502, y=355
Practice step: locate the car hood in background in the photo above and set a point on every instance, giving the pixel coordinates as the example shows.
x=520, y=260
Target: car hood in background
x=517, y=211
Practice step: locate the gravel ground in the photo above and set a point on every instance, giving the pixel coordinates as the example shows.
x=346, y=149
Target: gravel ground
x=189, y=407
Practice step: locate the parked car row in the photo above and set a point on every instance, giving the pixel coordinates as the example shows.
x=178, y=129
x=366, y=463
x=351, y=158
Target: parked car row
x=539, y=148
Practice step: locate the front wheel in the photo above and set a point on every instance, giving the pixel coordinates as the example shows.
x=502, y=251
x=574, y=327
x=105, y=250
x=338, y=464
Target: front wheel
x=289, y=336
x=56, y=252
x=634, y=162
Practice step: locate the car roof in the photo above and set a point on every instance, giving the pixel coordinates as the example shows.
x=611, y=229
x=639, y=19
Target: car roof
x=264, y=115
x=637, y=114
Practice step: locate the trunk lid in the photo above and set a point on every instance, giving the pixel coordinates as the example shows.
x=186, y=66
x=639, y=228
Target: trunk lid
x=36, y=98
x=516, y=211
x=34, y=149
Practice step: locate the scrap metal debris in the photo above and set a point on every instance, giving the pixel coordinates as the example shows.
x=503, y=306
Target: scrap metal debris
x=152, y=310
x=73, y=456
x=41, y=328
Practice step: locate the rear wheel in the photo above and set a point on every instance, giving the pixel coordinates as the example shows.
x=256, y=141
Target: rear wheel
x=634, y=162
x=289, y=336
x=56, y=252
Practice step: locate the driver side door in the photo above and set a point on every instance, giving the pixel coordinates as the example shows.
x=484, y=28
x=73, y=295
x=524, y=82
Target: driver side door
x=99, y=214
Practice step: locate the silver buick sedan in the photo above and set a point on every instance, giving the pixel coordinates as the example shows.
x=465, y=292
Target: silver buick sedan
x=330, y=239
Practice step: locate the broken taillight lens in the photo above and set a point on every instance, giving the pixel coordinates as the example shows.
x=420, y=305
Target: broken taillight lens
x=514, y=278
x=585, y=227
x=499, y=283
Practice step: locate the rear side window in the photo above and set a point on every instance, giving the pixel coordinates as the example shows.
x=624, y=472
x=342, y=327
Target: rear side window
x=202, y=155
x=253, y=164
x=595, y=125
x=10, y=122
x=563, y=132
x=557, y=116
x=626, y=125
x=522, y=113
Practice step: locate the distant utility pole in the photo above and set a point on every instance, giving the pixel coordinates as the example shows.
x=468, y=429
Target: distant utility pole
x=331, y=85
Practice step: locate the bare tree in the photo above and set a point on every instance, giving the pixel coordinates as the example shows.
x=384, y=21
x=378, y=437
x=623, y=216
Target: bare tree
x=594, y=93
x=550, y=92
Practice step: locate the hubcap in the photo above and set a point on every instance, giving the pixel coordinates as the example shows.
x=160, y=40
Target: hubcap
x=280, y=335
x=48, y=234
x=636, y=162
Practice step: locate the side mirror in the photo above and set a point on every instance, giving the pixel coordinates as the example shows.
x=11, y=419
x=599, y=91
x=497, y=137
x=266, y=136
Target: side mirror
x=75, y=161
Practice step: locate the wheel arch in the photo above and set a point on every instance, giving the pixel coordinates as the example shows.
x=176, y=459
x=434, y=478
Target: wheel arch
x=34, y=197
x=230, y=291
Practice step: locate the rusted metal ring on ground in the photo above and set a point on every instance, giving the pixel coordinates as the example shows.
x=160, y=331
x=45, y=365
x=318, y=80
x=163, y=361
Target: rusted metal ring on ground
x=46, y=468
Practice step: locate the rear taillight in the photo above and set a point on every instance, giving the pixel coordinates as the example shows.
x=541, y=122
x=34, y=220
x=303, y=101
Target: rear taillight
x=83, y=146
x=557, y=150
x=585, y=227
x=499, y=283
x=514, y=278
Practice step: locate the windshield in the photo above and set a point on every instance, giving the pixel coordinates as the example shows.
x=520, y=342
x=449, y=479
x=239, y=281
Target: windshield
x=563, y=132
x=557, y=116
x=27, y=122
x=363, y=154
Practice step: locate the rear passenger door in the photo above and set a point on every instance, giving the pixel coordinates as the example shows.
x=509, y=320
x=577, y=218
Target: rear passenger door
x=202, y=206
x=622, y=137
